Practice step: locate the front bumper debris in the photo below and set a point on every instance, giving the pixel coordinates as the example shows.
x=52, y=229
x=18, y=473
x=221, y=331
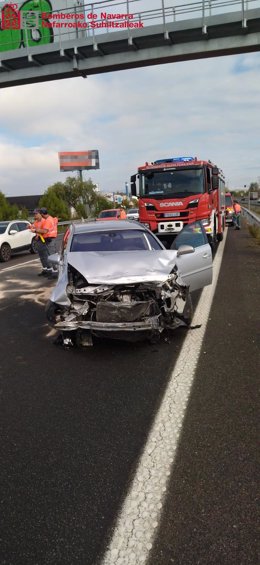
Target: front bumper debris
x=150, y=324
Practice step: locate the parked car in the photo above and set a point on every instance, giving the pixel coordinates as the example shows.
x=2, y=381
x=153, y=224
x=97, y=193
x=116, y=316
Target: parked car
x=119, y=281
x=133, y=214
x=15, y=236
x=112, y=214
x=229, y=209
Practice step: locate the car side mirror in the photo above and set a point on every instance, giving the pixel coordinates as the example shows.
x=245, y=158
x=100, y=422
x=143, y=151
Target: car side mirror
x=185, y=250
x=13, y=232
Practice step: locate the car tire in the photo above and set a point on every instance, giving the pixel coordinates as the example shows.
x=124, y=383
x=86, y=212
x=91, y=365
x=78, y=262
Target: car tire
x=5, y=252
x=33, y=248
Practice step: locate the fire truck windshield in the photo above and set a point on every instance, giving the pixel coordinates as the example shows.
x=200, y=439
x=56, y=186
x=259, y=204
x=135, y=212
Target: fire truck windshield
x=228, y=200
x=172, y=184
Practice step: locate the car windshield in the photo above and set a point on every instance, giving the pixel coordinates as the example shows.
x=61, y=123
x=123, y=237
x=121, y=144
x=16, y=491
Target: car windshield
x=108, y=214
x=123, y=240
x=172, y=184
x=228, y=201
x=3, y=228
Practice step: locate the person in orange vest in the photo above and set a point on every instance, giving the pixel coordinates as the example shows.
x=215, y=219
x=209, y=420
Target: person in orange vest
x=37, y=227
x=237, y=214
x=49, y=232
x=122, y=213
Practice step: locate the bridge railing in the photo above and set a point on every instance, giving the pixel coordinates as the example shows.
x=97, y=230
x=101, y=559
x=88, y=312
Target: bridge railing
x=89, y=20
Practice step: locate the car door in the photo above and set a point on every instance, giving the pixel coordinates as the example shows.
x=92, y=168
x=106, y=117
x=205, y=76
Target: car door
x=13, y=238
x=25, y=235
x=195, y=268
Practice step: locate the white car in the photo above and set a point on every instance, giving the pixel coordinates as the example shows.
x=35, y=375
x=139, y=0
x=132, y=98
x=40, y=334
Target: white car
x=15, y=236
x=133, y=214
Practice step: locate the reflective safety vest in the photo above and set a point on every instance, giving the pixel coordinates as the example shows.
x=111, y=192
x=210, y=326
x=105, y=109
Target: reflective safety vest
x=38, y=224
x=237, y=208
x=50, y=224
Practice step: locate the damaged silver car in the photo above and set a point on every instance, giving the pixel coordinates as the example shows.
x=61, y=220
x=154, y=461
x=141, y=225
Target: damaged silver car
x=119, y=281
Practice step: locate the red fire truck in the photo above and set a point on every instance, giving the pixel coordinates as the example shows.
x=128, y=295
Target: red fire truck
x=177, y=191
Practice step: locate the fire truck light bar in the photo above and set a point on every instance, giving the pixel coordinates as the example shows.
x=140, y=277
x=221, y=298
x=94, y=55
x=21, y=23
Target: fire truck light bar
x=174, y=160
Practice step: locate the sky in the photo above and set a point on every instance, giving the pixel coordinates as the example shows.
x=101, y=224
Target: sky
x=206, y=108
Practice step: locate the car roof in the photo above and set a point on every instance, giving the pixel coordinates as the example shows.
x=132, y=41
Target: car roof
x=110, y=210
x=6, y=222
x=105, y=226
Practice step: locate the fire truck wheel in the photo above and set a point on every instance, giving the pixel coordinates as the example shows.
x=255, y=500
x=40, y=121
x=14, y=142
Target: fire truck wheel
x=213, y=242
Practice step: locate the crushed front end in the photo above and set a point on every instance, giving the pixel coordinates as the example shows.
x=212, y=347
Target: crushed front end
x=128, y=311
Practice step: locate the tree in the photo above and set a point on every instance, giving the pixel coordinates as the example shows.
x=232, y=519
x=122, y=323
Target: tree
x=23, y=213
x=102, y=203
x=88, y=196
x=55, y=203
x=254, y=187
x=7, y=211
x=62, y=199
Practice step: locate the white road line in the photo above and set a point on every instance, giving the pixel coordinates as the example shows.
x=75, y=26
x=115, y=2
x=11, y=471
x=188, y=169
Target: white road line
x=15, y=267
x=136, y=526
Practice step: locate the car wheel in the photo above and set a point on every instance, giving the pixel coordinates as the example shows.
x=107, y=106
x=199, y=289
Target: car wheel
x=5, y=252
x=34, y=248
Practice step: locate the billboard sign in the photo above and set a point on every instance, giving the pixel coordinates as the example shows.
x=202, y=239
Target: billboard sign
x=79, y=160
x=38, y=22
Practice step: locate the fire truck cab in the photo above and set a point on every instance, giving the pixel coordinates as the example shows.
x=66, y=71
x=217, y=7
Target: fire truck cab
x=178, y=191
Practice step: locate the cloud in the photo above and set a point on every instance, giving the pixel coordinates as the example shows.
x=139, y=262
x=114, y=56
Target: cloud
x=207, y=108
x=26, y=170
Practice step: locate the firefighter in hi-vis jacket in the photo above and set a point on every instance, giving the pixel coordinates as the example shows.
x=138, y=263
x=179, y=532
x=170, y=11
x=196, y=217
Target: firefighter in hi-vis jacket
x=45, y=228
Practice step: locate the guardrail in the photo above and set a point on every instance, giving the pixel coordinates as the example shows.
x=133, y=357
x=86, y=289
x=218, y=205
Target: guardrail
x=251, y=217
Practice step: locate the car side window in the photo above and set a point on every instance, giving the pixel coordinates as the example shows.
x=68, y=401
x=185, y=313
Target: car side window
x=13, y=227
x=192, y=234
x=22, y=226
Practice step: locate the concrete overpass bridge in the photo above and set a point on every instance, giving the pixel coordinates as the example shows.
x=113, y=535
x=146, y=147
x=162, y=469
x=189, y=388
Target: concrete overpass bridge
x=166, y=34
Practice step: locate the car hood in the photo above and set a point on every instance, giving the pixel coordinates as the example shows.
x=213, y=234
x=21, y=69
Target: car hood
x=124, y=267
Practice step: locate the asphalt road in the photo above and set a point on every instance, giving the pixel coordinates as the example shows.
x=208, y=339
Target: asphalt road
x=74, y=424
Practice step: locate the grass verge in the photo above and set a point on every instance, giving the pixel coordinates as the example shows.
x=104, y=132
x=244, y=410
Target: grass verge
x=255, y=232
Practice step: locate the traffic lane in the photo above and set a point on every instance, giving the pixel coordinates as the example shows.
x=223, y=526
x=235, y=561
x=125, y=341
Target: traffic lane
x=21, y=282
x=17, y=259
x=209, y=515
x=74, y=425
x=25, y=256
